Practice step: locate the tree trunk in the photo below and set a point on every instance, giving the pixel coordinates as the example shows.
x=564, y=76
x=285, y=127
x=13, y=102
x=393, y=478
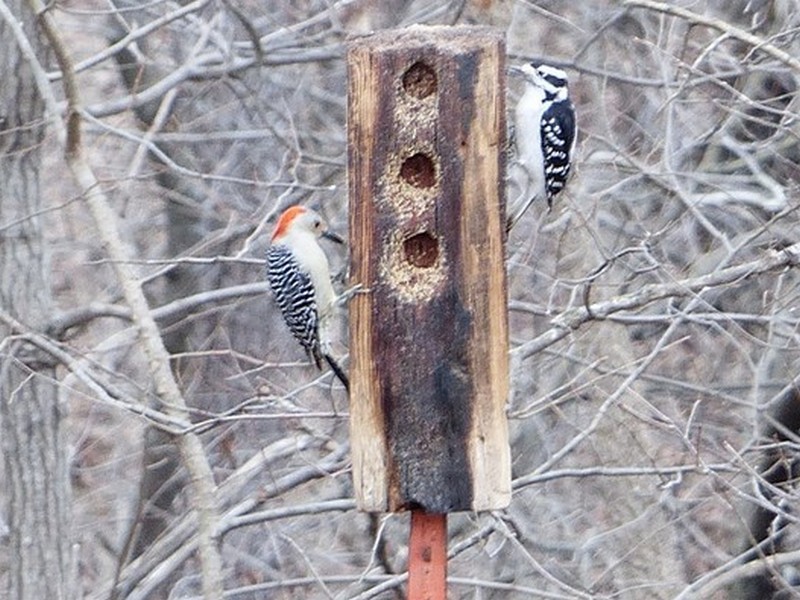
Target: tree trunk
x=36, y=491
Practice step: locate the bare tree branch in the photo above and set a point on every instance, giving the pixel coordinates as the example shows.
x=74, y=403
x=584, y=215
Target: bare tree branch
x=166, y=387
x=730, y=30
x=573, y=318
x=719, y=579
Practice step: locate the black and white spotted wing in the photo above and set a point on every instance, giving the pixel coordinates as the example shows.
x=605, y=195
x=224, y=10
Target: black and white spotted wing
x=558, y=139
x=294, y=294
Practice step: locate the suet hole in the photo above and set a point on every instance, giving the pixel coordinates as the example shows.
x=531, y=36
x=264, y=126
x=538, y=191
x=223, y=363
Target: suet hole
x=419, y=80
x=421, y=250
x=418, y=170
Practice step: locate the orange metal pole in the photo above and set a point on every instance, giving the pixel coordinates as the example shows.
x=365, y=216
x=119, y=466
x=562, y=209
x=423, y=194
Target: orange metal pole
x=427, y=556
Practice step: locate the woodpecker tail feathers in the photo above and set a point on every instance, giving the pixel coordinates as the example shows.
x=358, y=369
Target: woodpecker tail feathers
x=516, y=213
x=338, y=371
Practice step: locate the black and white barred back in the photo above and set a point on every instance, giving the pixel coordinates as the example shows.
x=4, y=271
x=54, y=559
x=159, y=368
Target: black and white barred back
x=295, y=298
x=558, y=139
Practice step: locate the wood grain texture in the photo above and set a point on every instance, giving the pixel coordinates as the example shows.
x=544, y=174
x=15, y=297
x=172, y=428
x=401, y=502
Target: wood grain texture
x=429, y=341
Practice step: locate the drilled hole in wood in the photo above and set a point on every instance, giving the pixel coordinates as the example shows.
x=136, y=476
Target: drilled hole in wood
x=418, y=170
x=419, y=80
x=421, y=250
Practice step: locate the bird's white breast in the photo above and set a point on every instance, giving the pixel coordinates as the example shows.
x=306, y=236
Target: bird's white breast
x=528, y=137
x=312, y=260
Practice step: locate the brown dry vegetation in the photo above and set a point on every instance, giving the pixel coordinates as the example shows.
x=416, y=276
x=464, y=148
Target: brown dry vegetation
x=639, y=435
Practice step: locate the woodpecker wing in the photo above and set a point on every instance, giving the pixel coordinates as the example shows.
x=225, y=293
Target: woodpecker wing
x=558, y=142
x=294, y=294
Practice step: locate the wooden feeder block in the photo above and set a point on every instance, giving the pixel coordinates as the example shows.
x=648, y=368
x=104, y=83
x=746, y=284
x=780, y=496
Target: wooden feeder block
x=429, y=336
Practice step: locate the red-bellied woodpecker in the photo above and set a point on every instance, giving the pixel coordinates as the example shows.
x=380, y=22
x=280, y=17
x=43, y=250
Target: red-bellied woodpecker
x=300, y=278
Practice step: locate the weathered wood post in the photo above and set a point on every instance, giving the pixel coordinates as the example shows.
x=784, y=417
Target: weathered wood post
x=429, y=337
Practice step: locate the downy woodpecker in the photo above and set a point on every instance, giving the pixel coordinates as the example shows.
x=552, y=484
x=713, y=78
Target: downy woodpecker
x=300, y=278
x=544, y=136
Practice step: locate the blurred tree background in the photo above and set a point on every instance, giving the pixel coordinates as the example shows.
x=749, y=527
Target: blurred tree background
x=654, y=410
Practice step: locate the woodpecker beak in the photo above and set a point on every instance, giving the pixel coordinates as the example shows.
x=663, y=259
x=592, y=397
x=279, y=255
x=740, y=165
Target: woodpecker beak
x=334, y=237
x=529, y=74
